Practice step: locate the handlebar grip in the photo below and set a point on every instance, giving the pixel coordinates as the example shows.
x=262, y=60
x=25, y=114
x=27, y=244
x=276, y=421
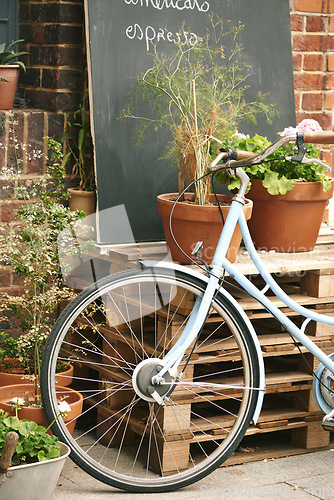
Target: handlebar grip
x=319, y=137
x=242, y=155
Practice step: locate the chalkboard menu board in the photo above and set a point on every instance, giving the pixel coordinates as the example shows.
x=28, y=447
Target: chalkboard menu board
x=120, y=34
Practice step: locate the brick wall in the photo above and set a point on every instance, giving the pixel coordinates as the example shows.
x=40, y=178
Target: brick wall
x=54, y=35
x=312, y=38
x=56, y=78
x=54, y=84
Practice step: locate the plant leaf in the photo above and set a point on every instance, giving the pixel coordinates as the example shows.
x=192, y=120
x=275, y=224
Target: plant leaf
x=277, y=185
x=27, y=427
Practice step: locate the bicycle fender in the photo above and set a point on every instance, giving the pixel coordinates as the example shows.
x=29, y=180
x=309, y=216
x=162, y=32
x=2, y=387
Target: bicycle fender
x=186, y=270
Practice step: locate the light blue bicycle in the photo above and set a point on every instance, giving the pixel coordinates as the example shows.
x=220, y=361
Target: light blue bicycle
x=168, y=363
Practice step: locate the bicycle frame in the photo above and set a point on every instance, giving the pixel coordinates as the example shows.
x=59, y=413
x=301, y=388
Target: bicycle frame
x=219, y=264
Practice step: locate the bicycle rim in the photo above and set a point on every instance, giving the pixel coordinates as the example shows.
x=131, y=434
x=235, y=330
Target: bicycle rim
x=122, y=436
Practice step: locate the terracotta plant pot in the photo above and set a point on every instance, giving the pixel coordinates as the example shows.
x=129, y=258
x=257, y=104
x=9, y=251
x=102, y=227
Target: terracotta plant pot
x=193, y=223
x=9, y=72
x=82, y=200
x=37, y=414
x=290, y=222
x=12, y=375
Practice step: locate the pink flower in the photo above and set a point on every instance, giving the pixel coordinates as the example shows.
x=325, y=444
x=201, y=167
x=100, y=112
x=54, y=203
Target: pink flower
x=239, y=134
x=288, y=131
x=309, y=125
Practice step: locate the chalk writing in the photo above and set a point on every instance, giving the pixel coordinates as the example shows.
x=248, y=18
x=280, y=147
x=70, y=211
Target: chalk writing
x=200, y=5
x=152, y=35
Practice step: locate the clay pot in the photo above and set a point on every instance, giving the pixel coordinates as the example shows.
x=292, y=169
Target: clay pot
x=9, y=72
x=65, y=378
x=193, y=223
x=12, y=375
x=82, y=200
x=72, y=397
x=290, y=222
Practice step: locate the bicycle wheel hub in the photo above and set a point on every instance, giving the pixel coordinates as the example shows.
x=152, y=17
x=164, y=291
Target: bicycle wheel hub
x=142, y=381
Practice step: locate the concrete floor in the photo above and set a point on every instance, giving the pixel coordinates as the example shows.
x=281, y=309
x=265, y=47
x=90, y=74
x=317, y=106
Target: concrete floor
x=308, y=476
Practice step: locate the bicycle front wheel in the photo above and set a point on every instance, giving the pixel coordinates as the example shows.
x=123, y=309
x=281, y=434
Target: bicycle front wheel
x=115, y=334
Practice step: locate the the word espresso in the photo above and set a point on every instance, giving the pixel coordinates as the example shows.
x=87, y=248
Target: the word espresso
x=152, y=36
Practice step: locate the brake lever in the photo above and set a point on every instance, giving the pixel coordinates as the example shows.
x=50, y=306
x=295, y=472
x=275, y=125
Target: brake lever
x=310, y=160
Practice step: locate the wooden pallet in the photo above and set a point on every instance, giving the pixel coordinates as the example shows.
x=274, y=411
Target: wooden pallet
x=289, y=408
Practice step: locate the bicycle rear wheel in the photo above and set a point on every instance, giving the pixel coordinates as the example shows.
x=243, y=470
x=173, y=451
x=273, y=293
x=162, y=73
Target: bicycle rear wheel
x=123, y=437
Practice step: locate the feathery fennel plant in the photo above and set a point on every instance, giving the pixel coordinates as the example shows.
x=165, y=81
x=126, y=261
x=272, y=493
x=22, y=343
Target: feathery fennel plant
x=197, y=93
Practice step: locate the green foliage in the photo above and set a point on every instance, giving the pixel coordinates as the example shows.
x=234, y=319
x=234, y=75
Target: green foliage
x=9, y=56
x=75, y=138
x=197, y=93
x=34, y=444
x=278, y=175
x=30, y=248
x=8, y=346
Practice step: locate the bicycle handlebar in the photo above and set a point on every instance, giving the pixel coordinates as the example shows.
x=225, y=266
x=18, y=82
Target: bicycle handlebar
x=319, y=137
x=243, y=157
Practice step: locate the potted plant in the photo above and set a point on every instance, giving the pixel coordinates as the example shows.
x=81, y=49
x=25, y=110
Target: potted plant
x=17, y=356
x=289, y=197
x=9, y=73
x=29, y=248
x=31, y=459
x=196, y=93
x=74, y=139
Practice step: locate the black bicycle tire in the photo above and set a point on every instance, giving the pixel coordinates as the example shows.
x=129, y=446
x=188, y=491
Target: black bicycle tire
x=164, y=485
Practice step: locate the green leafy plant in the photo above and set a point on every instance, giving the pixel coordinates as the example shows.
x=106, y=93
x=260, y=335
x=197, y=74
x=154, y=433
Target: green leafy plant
x=30, y=248
x=277, y=174
x=17, y=355
x=9, y=56
x=75, y=139
x=34, y=444
x=198, y=94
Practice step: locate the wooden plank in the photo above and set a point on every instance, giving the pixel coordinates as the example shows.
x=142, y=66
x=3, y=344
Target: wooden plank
x=280, y=347
x=269, y=451
x=322, y=257
x=318, y=283
x=273, y=424
x=289, y=377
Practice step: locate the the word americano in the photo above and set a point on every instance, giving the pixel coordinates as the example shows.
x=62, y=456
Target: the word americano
x=199, y=5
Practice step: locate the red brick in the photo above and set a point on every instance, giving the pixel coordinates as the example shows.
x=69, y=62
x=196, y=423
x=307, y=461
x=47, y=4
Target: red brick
x=296, y=22
x=313, y=116
x=324, y=6
x=330, y=62
x=4, y=277
x=331, y=23
x=297, y=100
x=18, y=280
x=329, y=100
x=326, y=121
x=312, y=102
x=8, y=211
x=309, y=42
x=313, y=62
x=328, y=81
x=315, y=23
x=297, y=61
x=329, y=42
x=308, y=81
